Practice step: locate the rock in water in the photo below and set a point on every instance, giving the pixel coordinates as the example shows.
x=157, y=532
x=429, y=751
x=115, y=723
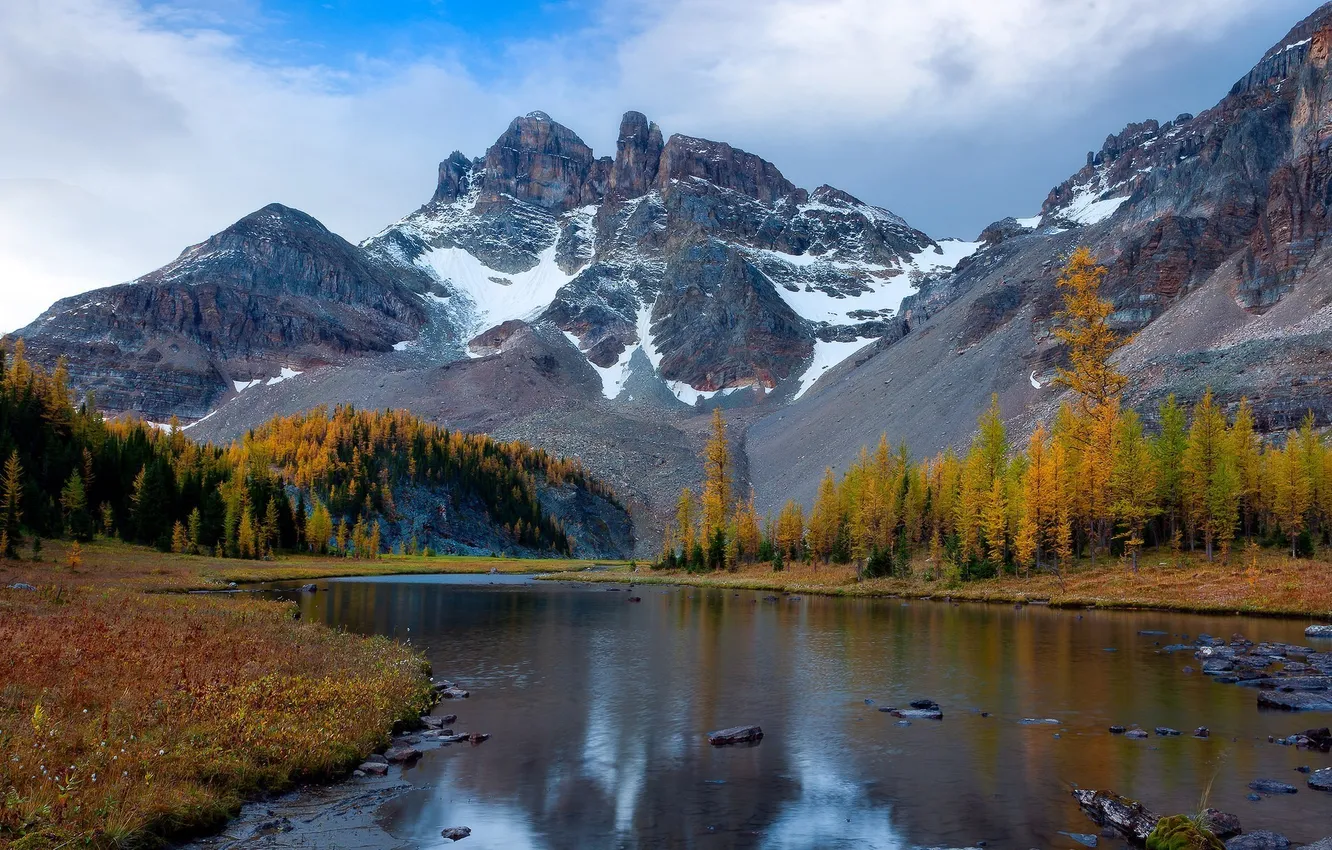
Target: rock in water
x=1125, y=816
x=1166, y=731
x=456, y=833
x=735, y=735
x=1321, y=780
x=1136, y=733
x=374, y=768
x=1039, y=721
x=1318, y=631
x=1082, y=838
x=1271, y=786
x=917, y=713
x=397, y=755
x=924, y=704
x=1260, y=840
x=1222, y=824
x=1202, y=732
x=1295, y=700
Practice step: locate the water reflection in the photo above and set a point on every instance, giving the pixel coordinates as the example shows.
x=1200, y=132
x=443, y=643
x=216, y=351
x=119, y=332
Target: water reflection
x=598, y=709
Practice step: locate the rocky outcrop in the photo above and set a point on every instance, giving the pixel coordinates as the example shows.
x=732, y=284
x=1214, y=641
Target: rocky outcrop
x=541, y=162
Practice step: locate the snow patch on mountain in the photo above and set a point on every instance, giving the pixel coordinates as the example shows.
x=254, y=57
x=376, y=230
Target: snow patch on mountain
x=286, y=374
x=826, y=356
x=945, y=257
x=496, y=296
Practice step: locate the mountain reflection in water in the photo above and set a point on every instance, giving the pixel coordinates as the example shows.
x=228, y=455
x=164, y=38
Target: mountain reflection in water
x=598, y=710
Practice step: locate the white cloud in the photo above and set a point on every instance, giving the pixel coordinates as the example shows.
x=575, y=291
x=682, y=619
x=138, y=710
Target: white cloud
x=128, y=135
x=864, y=63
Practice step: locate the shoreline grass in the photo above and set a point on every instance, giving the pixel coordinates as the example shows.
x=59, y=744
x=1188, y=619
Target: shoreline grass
x=132, y=713
x=1275, y=586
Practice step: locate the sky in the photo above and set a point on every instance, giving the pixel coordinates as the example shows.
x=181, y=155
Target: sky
x=132, y=129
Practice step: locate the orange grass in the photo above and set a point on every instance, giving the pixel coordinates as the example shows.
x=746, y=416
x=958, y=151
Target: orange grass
x=1277, y=584
x=126, y=718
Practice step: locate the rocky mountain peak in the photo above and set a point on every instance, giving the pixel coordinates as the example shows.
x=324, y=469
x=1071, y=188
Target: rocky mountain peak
x=685, y=157
x=454, y=178
x=542, y=162
x=637, y=156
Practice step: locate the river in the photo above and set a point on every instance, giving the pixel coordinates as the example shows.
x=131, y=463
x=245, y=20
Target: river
x=598, y=709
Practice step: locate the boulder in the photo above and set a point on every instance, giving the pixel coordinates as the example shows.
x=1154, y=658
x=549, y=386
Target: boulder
x=1321, y=780
x=1202, y=732
x=478, y=737
x=924, y=703
x=376, y=758
x=1127, y=817
x=735, y=735
x=22, y=585
x=1222, y=824
x=373, y=768
x=309, y=588
x=1136, y=733
x=453, y=693
x=1117, y=730
x=1166, y=731
x=1315, y=739
x=448, y=719
x=400, y=755
x=1295, y=700
x=433, y=722
x=1271, y=786
x=1039, y=721
x=1318, y=632
x=456, y=833
x=1260, y=840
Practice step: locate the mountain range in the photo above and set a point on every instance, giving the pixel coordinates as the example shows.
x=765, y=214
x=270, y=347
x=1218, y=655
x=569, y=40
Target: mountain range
x=600, y=306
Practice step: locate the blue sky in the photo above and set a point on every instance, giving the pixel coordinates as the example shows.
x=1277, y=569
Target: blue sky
x=137, y=127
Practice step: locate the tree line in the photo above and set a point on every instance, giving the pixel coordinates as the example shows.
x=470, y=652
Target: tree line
x=316, y=482
x=1094, y=483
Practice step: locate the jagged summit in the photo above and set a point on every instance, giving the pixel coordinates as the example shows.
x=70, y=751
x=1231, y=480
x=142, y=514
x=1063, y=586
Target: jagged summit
x=631, y=254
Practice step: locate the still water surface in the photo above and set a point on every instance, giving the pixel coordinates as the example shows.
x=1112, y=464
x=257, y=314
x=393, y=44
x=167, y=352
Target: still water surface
x=598, y=710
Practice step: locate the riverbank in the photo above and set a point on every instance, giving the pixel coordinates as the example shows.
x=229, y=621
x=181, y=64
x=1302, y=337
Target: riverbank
x=115, y=564
x=1277, y=585
x=129, y=715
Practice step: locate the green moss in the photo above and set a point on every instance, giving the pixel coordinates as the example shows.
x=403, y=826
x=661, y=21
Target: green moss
x=1179, y=832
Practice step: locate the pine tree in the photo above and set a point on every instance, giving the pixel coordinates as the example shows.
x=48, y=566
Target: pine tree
x=1209, y=476
x=1290, y=491
x=1133, y=485
x=716, y=478
x=824, y=519
x=74, y=504
x=11, y=499
x=180, y=538
x=246, y=535
x=685, y=531
x=1083, y=328
x=1168, y=456
x=1248, y=464
x=195, y=532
